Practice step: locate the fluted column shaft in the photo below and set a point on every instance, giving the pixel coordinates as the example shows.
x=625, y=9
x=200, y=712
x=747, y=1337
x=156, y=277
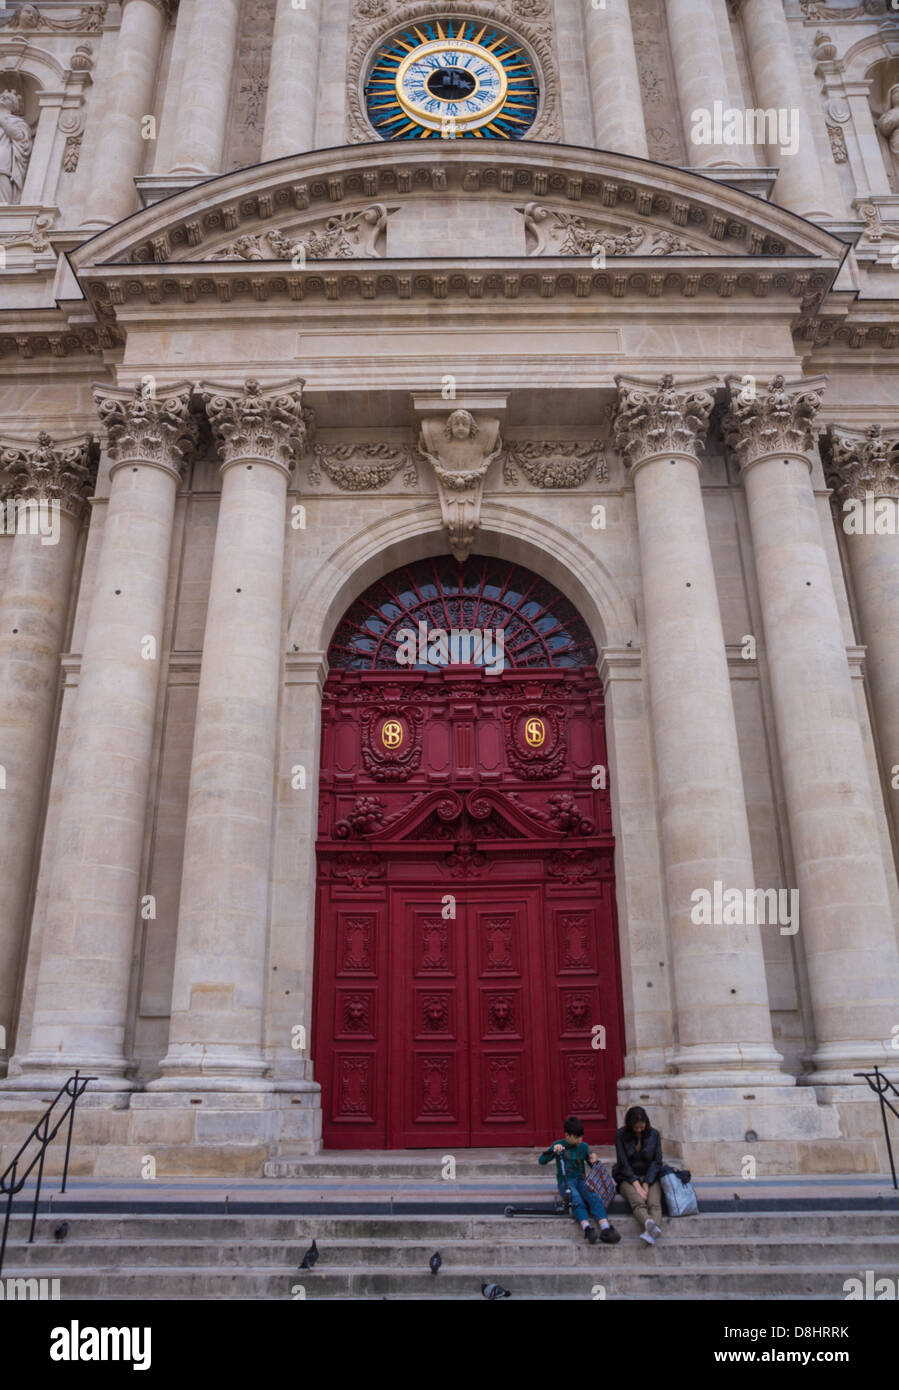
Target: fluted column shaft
x=292, y=104
x=845, y=920
x=33, y=612
x=778, y=85
x=120, y=153
x=723, y=1018
x=93, y=906
x=864, y=472
x=614, y=80
x=701, y=76
x=218, y=994
x=206, y=87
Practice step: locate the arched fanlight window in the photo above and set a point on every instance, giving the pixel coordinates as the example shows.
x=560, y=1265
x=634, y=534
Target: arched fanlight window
x=540, y=627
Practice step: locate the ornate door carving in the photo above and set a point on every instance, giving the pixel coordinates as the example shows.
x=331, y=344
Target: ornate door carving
x=466, y=941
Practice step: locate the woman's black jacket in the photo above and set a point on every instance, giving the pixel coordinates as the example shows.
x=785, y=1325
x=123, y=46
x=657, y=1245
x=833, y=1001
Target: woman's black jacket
x=637, y=1165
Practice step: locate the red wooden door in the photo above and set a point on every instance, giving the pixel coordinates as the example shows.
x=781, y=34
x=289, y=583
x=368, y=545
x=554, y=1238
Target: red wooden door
x=465, y=940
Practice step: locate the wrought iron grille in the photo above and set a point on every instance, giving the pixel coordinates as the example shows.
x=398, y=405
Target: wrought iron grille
x=540, y=627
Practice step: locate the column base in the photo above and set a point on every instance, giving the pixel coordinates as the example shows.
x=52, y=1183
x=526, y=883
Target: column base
x=148, y=1136
x=189, y=1068
x=49, y=1073
x=726, y=1065
x=836, y=1064
x=783, y=1130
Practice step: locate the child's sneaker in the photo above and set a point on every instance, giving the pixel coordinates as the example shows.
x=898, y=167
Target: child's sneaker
x=609, y=1236
x=647, y=1238
x=590, y=1234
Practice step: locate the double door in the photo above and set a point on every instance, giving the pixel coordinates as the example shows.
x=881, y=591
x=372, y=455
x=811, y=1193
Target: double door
x=466, y=1016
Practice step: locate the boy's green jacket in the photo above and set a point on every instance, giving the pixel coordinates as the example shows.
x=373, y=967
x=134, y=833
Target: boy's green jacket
x=572, y=1159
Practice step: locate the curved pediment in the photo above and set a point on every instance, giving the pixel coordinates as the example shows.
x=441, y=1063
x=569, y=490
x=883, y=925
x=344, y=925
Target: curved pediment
x=378, y=202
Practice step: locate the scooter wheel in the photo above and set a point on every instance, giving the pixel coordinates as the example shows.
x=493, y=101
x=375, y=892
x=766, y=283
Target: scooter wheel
x=509, y=1211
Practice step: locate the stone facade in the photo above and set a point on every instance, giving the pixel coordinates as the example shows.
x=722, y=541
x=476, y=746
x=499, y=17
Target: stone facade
x=221, y=384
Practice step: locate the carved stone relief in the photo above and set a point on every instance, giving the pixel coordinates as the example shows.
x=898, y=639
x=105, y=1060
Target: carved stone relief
x=346, y=236
x=88, y=20
x=552, y=232
x=360, y=467
x=555, y=465
x=661, y=114
x=249, y=86
x=531, y=20
x=460, y=450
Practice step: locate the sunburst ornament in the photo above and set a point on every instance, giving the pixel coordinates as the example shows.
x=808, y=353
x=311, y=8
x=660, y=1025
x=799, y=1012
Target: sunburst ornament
x=452, y=79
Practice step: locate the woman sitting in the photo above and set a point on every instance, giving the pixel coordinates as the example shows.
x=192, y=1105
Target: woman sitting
x=637, y=1171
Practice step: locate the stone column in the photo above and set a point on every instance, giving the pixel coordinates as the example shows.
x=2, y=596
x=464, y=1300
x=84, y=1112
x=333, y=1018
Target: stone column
x=845, y=922
x=46, y=502
x=614, y=81
x=723, y=1018
x=778, y=86
x=701, y=77
x=206, y=87
x=292, y=103
x=218, y=994
x=120, y=152
x=93, y=907
x=863, y=470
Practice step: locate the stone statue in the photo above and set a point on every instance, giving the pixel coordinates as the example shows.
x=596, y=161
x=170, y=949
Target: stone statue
x=15, y=147
x=888, y=124
x=460, y=451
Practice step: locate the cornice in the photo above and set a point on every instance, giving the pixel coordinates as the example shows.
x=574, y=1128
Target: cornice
x=322, y=182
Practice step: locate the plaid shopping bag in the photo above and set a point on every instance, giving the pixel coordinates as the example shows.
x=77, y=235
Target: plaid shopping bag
x=600, y=1181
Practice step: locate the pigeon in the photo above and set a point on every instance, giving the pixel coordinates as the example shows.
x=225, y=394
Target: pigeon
x=435, y=1262
x=61, y=1231
x=495, y=1291
x=310, y=1257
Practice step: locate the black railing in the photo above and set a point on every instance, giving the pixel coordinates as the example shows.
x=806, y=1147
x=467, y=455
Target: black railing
x=881, y=1084
x=13, y=1180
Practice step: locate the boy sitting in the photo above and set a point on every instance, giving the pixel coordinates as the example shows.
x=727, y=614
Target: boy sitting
x=571, y=1157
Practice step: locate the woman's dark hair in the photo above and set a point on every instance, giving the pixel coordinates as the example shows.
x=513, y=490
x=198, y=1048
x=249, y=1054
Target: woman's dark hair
x=573, y=1126
x=634, y=1117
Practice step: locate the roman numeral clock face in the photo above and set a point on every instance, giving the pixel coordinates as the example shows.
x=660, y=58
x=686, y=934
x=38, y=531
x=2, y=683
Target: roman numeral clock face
x=451, y=79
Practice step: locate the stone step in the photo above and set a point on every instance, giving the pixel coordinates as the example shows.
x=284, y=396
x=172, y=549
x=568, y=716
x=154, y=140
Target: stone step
x=133, y=1229
x=796, y=1281
x=568, y=1249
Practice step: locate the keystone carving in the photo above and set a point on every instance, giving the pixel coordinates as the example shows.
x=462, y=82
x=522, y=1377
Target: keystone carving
x=269, y=425
x=149, y=428
x=63, y=473
x=361, y=467
x=772, y=421
x=858, y=462
x=460, y=450
x=548, y=465
x=664, y=419
x=347, y=236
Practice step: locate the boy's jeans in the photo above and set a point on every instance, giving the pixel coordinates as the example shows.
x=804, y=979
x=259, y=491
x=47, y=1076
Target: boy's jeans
x=582, y=1199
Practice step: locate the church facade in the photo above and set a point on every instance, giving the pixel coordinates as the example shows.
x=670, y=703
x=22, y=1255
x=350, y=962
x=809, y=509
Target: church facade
x=522, y=737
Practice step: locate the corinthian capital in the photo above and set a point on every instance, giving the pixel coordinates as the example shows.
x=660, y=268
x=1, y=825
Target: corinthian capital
x=653, y=420
x=142, y=428
x=63, y=473
x=268, y=425
x=778, y=420
x=857, y=462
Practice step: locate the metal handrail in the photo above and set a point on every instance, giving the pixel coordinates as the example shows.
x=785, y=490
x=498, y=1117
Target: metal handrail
x=881, y=1083
x=12, y=1181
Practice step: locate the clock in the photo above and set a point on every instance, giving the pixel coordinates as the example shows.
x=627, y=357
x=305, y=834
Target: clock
x=452, y=79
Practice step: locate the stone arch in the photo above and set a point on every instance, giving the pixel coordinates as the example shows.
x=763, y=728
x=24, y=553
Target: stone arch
x=36, y=63
x=861, y=57
x=506, y=532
